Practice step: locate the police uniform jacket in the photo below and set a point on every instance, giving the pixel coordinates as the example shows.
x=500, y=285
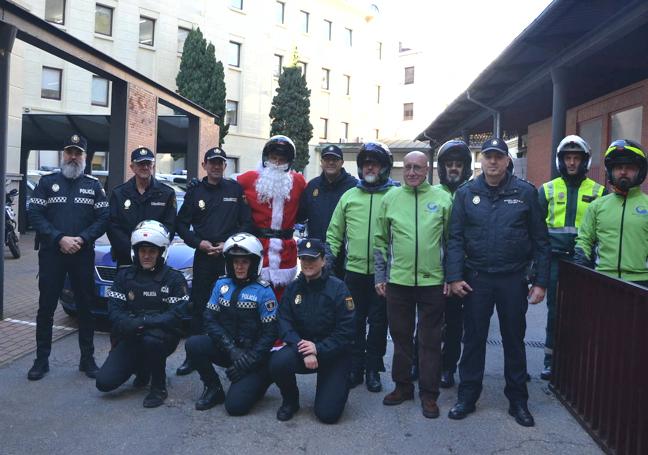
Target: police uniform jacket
x=498, y=230
x=68, y=207
x=159, y=297
x=215, y=211
x=319, y=199
x=321, y=311
x=242, y=313
x=128, y=207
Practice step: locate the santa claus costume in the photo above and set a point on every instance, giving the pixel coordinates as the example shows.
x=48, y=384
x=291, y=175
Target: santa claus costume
x=273, y=192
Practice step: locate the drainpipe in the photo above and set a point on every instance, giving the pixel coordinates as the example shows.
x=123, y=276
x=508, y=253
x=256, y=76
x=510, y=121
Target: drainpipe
x=496, y=114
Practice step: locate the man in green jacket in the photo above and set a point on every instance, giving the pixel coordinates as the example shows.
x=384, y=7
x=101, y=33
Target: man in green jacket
x=613, y=237
x=352, y=228
x=408, y=255
x=564, y=201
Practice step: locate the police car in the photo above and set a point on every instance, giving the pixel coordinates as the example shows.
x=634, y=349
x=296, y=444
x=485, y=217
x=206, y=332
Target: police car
x=180, y=257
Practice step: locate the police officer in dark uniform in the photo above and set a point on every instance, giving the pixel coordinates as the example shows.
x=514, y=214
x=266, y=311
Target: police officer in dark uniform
x=141, y=198
x=69, y=211
x=145, y=306
x=497, y=229
x=216, y=208
x=322, y=194
x=316, y=320
x=241, y=326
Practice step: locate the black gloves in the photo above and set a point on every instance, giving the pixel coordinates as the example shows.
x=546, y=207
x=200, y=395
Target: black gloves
x=130, y=326
x=242, y=366
x=227, y=344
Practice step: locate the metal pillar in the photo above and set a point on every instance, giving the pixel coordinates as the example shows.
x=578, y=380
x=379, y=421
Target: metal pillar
x=7, y=37
x=118, y=131
x=558, y=114
x=497, y=127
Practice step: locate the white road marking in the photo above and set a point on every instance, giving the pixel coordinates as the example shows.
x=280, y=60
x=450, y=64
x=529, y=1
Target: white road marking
x=18, y=321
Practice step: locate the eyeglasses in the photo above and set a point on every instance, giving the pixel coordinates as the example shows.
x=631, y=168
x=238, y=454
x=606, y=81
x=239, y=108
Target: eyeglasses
x=415, y=168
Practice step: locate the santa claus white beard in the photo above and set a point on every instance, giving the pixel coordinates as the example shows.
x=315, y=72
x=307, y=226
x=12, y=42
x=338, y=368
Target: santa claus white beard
x=274, y=183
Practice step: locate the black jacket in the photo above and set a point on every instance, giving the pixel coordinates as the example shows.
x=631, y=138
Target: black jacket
x=318, y=202
x=158, y=297
x=215, y=211
x=321, y=311
x=498, y=230
x=68, y=207
x=128, y=207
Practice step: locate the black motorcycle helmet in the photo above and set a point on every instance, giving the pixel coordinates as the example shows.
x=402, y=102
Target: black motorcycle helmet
x=379, y=152
x=282, y=145
x=625, y=151
x=454, y=150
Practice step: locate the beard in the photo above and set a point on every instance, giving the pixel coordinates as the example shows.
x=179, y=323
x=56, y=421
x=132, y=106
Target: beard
x=273, y=183
x=454, y=178
x=370, y=179
x=72, y=169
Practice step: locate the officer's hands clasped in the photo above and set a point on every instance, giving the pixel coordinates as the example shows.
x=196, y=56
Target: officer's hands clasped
x=459, y=288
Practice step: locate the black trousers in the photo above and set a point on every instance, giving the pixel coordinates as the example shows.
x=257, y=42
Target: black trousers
x=403, y=304
x=206, y=270
x=144, y=353
x=369, y=346
x=53, y=266
x=202, y=352
x=452, y=334
x=508, y=292
x=332, y=388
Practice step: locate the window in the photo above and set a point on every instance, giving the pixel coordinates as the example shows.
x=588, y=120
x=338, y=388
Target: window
x=305, y=17
x=234, y=55
x=379, y=50
x=345, y=130
x=183, y=33
x=302, y=66
x=408, y=111
x=55, y=11
x=103, y=19
x=278, y=65
x=347, y=84
x=146, y=31
x=323, y=128
x=100, y=89
x=349, y=37
x=592, y=132
x=231, y=113
x=377, y=94
x=51, y=83
x=328, y=30
x=626, y=124
x=326, y=73
x=409, y=75
x=238, y=4
x=280, y=12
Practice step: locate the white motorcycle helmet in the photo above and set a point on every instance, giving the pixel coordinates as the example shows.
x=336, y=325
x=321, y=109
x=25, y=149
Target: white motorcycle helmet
x=152, y=233
x=243, y=244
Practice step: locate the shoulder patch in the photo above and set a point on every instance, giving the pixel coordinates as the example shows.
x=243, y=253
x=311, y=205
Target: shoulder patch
x=263, y=282
x=348, y=301
x=270, y=305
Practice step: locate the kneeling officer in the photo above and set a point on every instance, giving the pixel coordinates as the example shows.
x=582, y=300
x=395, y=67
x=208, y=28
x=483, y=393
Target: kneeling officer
x=316, y=320
x=241, y=325
x=145, y=307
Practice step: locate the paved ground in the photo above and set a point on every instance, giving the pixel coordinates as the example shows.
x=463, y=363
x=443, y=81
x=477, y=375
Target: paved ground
x=64, y=413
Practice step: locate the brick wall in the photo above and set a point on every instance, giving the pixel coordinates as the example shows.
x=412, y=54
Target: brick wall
x=539, y=152
x=142, y=122
x=209, y=137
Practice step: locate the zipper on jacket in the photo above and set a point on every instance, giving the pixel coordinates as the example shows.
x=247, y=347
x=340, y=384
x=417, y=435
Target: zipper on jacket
x=625, y=199
x=369, y=231
x=415, y=236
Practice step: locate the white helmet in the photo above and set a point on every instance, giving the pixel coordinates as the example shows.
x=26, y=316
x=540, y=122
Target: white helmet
x=243, y=244
x=153, y=233
x=573, y=143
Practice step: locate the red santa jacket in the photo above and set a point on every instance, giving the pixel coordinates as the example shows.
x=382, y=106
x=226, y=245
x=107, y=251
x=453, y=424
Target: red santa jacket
x=280, y=255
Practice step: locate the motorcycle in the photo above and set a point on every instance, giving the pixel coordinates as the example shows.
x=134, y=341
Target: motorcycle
x=11, y=239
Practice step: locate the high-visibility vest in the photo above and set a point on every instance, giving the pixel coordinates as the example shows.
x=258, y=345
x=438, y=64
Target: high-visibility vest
x=556, y=195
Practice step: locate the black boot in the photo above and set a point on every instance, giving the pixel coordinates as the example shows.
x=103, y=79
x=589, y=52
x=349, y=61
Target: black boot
x=155, y=397
x=546, y=373
x=38, y=370
x=287, y=409
x=89, y=367
x=521, y=413
x=355, y=378
x=373, y=381
x=212, y=395
x=185, y=368
x=142, y=379
x=447, y=379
